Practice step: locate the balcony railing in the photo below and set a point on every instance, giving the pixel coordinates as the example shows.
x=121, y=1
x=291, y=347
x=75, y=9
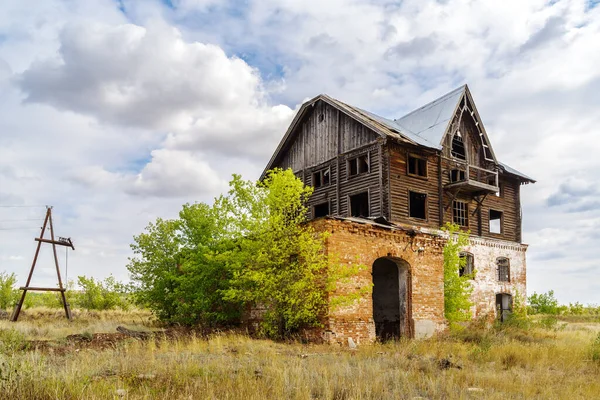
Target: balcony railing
x=472, y=178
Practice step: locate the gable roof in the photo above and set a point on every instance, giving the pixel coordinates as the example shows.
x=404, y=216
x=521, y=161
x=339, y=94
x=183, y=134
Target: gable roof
x=426, y=126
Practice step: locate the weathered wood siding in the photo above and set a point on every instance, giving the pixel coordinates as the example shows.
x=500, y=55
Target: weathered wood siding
x=508, y=203
x=401, y=183
x=326, y=138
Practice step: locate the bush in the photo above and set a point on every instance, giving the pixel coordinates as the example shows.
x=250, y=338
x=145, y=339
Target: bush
x=544, y=303
x=11, y=341
x=101, y=295
x=8, y=292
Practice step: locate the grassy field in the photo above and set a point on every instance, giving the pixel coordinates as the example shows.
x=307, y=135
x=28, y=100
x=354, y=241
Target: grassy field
x=506, y=364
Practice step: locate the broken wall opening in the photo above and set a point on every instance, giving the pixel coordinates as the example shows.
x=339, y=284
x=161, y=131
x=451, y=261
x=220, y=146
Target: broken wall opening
x=390, y=298
x=359, y=205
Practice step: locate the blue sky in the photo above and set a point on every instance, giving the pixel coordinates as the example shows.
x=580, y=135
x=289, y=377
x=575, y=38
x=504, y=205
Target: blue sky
x=118, y=112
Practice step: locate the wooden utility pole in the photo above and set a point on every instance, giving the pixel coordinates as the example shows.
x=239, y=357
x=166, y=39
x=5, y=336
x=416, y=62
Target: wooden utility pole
x=60, y=242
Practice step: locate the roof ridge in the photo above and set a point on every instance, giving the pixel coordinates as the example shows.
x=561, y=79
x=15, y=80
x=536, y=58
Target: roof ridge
x=431, y=103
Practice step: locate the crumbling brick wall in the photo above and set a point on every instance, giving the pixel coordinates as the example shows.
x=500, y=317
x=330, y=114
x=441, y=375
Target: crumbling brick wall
x=364, y=243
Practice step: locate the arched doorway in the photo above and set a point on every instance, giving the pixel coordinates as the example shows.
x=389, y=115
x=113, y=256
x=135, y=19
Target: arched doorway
x=391, y=298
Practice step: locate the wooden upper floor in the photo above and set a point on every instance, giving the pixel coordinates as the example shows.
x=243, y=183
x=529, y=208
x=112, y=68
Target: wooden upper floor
x=433, y=166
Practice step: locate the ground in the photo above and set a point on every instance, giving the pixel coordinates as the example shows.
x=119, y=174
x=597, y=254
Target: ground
x=38, y=361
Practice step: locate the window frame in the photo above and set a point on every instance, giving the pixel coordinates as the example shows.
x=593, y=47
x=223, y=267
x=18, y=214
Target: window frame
x=417, y=157
x=426, y=206
x=490, y=221
x=464, y=144
x=468, y=256
x=466, y=211
x=321, y=173
x=498, y=269
x=356, y=158
x=328, y=202
x=349, y=202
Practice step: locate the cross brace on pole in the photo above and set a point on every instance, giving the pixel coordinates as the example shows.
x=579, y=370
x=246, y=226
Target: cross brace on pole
x=61, y=242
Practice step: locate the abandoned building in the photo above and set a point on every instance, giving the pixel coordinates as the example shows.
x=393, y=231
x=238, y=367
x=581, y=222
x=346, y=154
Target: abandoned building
x=383, y=188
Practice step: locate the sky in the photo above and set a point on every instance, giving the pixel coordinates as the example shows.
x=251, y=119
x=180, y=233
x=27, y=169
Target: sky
x=116, y=112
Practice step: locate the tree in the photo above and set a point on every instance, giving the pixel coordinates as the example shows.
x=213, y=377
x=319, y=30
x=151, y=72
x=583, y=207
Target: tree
x=251, y=248
x=280, y=264
x=457, y=289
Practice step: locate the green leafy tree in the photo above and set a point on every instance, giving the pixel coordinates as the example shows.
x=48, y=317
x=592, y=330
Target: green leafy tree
x=155, y=268
x=457, y=289
x=280, y=264
x=543, y=303
x=251, y=248
x=8, y=291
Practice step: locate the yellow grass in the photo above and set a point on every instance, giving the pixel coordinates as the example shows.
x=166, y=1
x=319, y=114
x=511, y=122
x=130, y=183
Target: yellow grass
x=506, y=365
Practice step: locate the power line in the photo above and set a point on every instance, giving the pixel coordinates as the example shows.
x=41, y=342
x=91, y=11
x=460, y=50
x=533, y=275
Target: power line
x=19, y=228
x=19, y=220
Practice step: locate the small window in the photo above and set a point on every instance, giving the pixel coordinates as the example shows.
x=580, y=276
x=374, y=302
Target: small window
x=458, y=147
x=466, y=265
x=417, y=166
x=359, y=205
x=503, y=269
x=459, y=213
x=321, y=117
x=417, y=205
x=457, y=175
x=321, y=178
x=321, y=210
x=495, y=221
x=358, y=165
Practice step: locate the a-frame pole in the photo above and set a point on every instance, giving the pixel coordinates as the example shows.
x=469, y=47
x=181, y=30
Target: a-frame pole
x=17, y=310
x=62, y=291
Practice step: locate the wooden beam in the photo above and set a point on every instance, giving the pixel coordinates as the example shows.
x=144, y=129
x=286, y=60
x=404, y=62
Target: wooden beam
x=42, y=289
x=67, y=244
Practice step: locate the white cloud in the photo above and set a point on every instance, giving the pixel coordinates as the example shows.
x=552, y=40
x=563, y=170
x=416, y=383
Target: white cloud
x=131, y=114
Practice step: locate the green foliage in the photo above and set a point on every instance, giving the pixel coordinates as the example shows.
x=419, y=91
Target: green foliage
x=8, y=292
x=251, y=248
x=544, y=303
x=11, y=341
x=457, y=289
x=101, y=295
x=518, y=316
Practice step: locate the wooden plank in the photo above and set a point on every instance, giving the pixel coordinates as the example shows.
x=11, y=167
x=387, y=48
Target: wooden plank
x=42, y=289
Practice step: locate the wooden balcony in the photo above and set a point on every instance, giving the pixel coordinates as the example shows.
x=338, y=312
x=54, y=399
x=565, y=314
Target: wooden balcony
x=472, y=179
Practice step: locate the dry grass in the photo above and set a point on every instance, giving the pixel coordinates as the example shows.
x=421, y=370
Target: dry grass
x=503, y=365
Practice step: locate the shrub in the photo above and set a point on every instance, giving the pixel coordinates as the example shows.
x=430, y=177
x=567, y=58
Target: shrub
x=8, y=292
x=544, y=303
x=595, y=350
x=101, y=295
x=457, y=289
x=11, y=341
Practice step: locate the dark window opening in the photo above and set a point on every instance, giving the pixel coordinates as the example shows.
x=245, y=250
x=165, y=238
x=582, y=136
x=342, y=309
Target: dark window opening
x=459, y=213
x=466, y=265
x=417, y=166
x=495, y=221
x=417, y=204
x=358, y=165
x=458, y=147
x=321, y=210
x=321, y=178
x=457, y=175
x=321, y=117
x=503, y=269
x=359, y=205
